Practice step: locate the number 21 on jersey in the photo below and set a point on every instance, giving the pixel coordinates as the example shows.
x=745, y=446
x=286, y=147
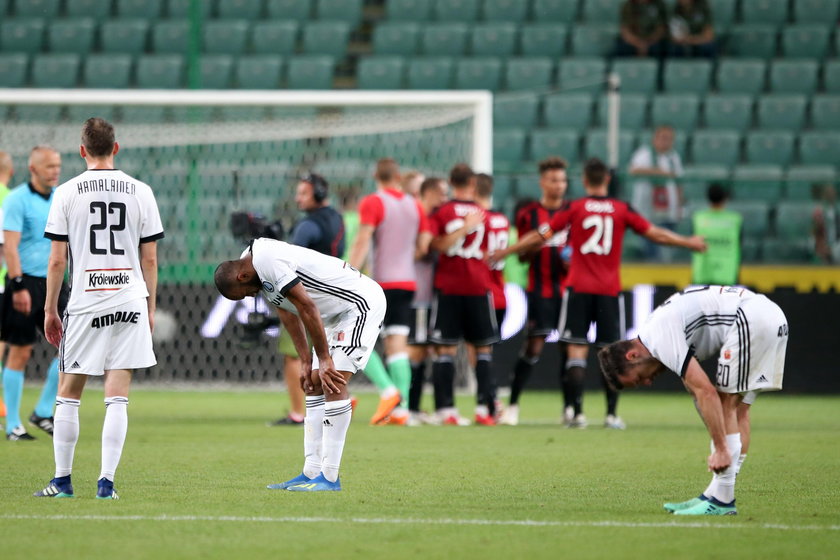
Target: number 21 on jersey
x=601, y=238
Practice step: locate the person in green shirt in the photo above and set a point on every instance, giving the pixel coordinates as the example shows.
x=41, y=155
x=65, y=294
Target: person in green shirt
x=721, y=228
x=7, y=169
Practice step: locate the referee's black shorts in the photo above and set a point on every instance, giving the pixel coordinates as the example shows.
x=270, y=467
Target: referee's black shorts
x=22, y=330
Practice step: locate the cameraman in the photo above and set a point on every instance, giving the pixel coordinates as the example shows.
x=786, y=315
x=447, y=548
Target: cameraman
x=322, y=230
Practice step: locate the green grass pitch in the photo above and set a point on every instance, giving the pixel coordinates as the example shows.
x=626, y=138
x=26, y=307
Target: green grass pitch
x=193, y=475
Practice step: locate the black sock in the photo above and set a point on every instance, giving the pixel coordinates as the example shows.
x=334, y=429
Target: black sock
x=612, y=399
x=443, y=378
x=573, y=383
x=521, y=373
x=415, y=392
x=486, y=384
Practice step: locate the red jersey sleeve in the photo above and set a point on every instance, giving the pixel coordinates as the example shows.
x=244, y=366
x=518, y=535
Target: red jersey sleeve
x=371, y=211
x=558, y=222
x=636, y=221
x=425, y=224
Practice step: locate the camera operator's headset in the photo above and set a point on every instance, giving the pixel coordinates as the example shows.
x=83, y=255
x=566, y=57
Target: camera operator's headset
x=320, y=187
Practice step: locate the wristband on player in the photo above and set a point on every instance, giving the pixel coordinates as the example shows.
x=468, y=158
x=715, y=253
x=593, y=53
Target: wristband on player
x=17, y=284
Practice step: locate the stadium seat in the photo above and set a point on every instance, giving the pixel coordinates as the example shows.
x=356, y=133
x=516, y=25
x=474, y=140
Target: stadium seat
x=13, y=70
x=758, y=182
x=697, y=178
x=144, y=114
x=443, y=39
x=160, y=71
x=274, y=37
x=805, y=41
x=326, y=37
x=820, y=147
x=508, y=148
x=225, y=36
x=794, y=219
x=181, y=8
x=55, y=70
x=493, y=39
x=434, y=72
x=728, y=111
x=769, y=146
x=752, y=40
x=512, y=11
x=171, y=36
x=37, y=8
x=410, y=10
x=723, y=12
x=831, y=76
x=340, y=10
x=97, y=9
x=825, y=112
x=687, y=76
x=637, y=75
x=679, y=110
x=37, y=113
x=800, y=179
x=764, y=11
x=632, y=112
x=396, y=37
x=582, y=74
x=146, y=9
x=81, y=113
x=240, y=9
x=517, y=109
x=381, y=72
x=216, y=71
x=816, y=11
x=455, y=10
x=781, y=111
x=740, y=76
x=71, y=35
x=544, y=39
x=258, y=72
x=555, y=142
x=602, y=11
x=568, y=110
x=756, y=215
x=720, y=147
x=478, y=73
x=111, y=71
x=528, y=73
x=311, y=72
x=22, y=35
x=794, y=76
x=786, y=251
x=503, y=189
x=593, y=39
x=595, y=145
x=124, y=36
x=555, y=10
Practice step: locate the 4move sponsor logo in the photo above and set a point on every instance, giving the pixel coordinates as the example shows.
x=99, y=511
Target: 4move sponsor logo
x=105, y=279
x=113, y=318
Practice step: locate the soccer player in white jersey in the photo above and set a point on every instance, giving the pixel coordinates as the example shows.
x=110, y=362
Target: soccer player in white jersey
x=749, y=335
x=342, y=311
x=109, y=223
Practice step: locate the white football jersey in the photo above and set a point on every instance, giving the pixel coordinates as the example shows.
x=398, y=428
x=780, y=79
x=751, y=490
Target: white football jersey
x=336, y=288
x=104, y=215
x=693, y=322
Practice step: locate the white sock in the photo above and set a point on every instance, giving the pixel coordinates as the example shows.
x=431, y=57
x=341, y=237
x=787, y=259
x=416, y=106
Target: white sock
x=741, y=459
x=712, y=487
x=725, y=491
x=336, y=421
x=65, y=434
x=113, y=434
x=313, y=428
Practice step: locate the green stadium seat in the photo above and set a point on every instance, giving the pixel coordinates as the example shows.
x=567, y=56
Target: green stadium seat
x=555, y=142
x=637, y=75
x=455, y=10
x=582, y=74
x=740, y=76
x=751, y=250
x=517, y=109
x=781, y=111
x=225, y=36
x=144, y=114
x=831, y=76
x=381, y=72
x=110, y=71
x=274, y=37
x=595, y=145
x=819, y=147
x=216, y=71
x=816, y=11
x=444, y=39
x=728, y=111
x=513, y=11
x=97, y=9
x=37, y=8
x=769, y=146
x=679, y=110
x=555, y=10
x=13, y=70
x=723, y=14
x=720, y=147
x=568, y=110
x=508, y=148
x=593, y=39
x=756, y=216
x=433, y=72
x=81, y=113
x=794, y=219
x=805, y=41
x=801, y=178
x=794, y=76
x=493, y=39
x=240, y=9
x=181, y=8
x=633, y=111
x=258, y=72
x=503, y=189
x=478, y=73
x=311, y=72
x=55, y=70
x=160, y=71
x=758, y=182
x=37, y=113
x=147, y=9
x=326, y=37
x=786, y=251
x=528, y=73
x=697, y=178
x=764, y=11
x=752, y=40
x=171, y=36
x=22, y=35
x=602, y=11
x=687, y=76
x=410, y=10
x=825, y=112
x=124, y=36
x=71, y=35
x=396, y=37
x=544, y=39
x=340, y=10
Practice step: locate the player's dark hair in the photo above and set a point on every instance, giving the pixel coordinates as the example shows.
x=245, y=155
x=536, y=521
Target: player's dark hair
x=387, y=170
x=483, y=185
x=595, y=172
x=552, y=163
x=225, y=277
x=614, y=362
x=98, y=137
x=430, y=183
x=460, y=175
x=716, y=193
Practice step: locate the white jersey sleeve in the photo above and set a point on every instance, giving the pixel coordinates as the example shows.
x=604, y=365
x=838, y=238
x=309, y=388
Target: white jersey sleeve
x=663, y=334
x=277, y=271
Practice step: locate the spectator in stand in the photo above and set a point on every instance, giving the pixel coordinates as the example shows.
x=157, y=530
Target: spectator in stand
x=644, y=29
x=826, y=224
x=692, y=33
x=721, y=228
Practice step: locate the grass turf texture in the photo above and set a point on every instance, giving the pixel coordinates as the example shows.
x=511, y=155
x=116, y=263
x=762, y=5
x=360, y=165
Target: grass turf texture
x=195, y=466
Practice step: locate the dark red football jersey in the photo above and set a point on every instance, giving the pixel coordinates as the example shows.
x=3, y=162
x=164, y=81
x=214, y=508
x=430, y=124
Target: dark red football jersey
x=546, y=270
x=596, y=234
x=461, y=269
x=498, y=235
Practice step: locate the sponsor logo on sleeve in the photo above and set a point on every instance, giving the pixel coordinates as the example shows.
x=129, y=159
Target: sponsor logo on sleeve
x=268, y=286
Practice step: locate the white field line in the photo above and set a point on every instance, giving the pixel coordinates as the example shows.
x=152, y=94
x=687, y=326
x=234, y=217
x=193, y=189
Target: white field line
x=412, y=521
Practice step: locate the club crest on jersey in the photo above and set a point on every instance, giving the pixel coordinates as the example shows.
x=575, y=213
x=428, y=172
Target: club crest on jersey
x=727, y=354
x=340, y=337
x=268, y=286
x=107, y=279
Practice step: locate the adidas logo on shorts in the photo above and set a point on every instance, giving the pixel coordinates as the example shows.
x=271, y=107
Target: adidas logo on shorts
x=75, y=365
x=762, y=379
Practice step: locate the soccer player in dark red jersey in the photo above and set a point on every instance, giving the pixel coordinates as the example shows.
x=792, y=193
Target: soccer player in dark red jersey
x=597, y=225
x=462, y=308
